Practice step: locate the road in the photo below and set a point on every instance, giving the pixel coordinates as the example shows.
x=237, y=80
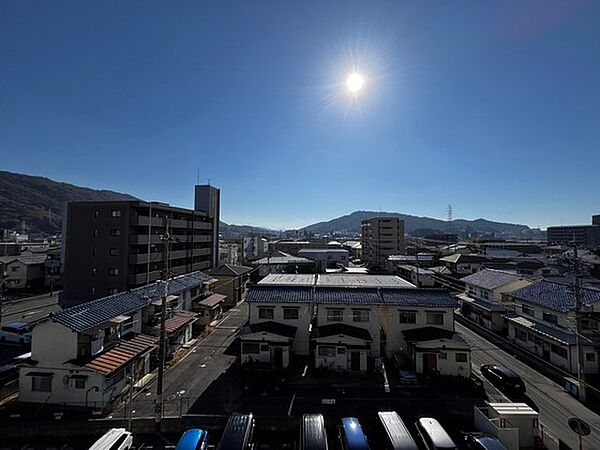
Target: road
x=29, y=309
x=191, y=376
x=555, y=406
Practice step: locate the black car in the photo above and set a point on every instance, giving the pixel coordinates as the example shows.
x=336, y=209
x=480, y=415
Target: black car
x=503, y=378
x=481, y=441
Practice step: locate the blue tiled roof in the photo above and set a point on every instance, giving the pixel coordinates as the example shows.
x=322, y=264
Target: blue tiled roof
x=555, y=296
x=490, y=279
x=279, y=294
x=429, y=298
x=347, y=296
x=554, y=333
x=95, y=312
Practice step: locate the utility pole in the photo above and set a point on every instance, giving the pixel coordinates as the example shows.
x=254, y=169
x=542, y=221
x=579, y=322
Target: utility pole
x=580, y=358
x=158, y=407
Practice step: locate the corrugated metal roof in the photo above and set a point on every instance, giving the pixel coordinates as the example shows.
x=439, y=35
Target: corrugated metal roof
x=96, y=312
x=213, y=300
x=555, y=296
x=124, y=352
x=562, y=336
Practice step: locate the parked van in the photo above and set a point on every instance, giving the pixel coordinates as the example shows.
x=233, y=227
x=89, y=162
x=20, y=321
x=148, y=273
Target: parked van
x=238, y=433
x=433, y=435
x=503, y=378
x=114, y=439
x=397, y=436
x=15, y=332
x=193, y=439
x=352, y=436
x=313, y=435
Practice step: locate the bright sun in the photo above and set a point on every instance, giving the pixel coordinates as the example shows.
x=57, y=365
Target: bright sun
x=355, y=82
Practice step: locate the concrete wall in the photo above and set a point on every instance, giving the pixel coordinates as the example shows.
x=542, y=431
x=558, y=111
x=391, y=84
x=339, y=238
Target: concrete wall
x=52, y=344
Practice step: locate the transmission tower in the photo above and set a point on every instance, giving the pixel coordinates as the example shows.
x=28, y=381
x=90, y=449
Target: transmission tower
x=449, y=211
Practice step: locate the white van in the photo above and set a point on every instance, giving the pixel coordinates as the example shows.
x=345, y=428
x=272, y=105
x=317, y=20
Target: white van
x=114, y=439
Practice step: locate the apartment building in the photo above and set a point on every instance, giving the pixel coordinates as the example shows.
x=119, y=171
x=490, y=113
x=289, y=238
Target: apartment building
x=582, y=235
x=90, y=354
x=337, y=325
x=544, y=324
x=381, y=237
x=113, y=246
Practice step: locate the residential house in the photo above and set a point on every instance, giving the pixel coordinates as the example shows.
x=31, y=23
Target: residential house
x=231, y=282
x=544, y=324
x=210, y=309
x=463, y=264
x=22, y=272
x=326, y=258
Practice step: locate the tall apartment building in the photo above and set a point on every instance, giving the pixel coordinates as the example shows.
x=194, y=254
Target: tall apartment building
x=381, y=237
x=113, y=246
x=582, y=235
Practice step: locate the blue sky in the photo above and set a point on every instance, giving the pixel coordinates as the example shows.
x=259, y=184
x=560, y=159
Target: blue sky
x=492, y=107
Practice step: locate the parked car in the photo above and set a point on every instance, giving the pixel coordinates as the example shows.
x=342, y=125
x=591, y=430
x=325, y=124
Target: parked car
x=114, y=439
x=15, y=332
x=193, y=439
x=503, y=378
x=404, y=369
x=481, y=441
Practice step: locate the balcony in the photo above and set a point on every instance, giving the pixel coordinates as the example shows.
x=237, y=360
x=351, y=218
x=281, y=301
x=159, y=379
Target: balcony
x=158, y=256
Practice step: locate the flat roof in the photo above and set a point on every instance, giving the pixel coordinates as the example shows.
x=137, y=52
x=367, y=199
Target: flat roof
x=288, y=279
x=362, y=280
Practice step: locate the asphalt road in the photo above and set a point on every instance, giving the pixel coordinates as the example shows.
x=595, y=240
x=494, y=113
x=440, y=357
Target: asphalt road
x=555, y=405
x=29, y=309
x=191, y=376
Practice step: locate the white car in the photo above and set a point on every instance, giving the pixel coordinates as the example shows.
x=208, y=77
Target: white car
x=15, y=332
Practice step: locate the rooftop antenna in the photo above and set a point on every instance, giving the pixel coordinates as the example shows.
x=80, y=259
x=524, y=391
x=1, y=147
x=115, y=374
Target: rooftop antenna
x=208, y=181
x=198, y=175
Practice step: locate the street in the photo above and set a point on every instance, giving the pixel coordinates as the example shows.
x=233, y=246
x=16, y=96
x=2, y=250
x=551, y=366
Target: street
x=29, y=309
x=190, y=377
x=555, y=405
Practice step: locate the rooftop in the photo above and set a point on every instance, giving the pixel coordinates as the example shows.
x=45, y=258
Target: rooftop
x=288, y=279
x=555, y=296
x=229, y=270
x=120, y=355
x=491, y=279
x=557, y=334
x=362, y=280
x=96, y=312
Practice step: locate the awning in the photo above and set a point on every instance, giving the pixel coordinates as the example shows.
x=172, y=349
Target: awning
x=124, y=352
x=179, y=320
x=212, y=300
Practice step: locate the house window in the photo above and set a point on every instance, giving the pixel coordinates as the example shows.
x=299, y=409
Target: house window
x=360, y=315
x=14, y=269
x=113, y=271
x=266, y=313
x=264, y=347
x=113, y=252
x=408, y=317
x=290, y=313
x=559, y=350
x=443, y=355
x=41, y=383
x=435, y=318
x=115, y=213
x=341, y=350
x=114, y=232
x=335, y=315
x=528, y=310
x=327, y=351
x=520, y=334
x=461, y=357
x=590, y=357
x=79, y=383
x=550, y=318
x=251, y=348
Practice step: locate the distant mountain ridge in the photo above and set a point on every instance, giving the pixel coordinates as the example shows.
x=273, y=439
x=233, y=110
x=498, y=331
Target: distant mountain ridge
x=351, y=223
x=39, y=201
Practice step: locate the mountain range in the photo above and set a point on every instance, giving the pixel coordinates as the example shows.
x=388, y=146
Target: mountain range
x=39, y=203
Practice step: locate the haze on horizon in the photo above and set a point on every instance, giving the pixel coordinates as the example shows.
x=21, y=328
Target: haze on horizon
x=493, y=108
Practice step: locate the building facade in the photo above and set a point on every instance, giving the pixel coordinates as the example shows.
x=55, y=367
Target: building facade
x=381, y=237
x=583, y=235
x=111, y=246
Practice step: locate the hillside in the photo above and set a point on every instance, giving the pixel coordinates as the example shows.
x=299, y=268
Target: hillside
x=351, y=223
x=40, y=201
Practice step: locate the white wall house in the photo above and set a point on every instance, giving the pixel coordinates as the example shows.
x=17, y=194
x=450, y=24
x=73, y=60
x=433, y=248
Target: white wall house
x=87, y=355
x=544, y=324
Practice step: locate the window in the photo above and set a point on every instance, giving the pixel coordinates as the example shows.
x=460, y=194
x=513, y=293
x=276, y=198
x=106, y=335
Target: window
x=443, y=355
x=94, y=271
x=590, y=357
x=550, y=318
x=14, y=269
x=266, y=313
x=113, y=252
x=94, y=251
x=115, y=213
x=113, y=271
x=335, y=315
x=41, y=383
x=79, y=383
x=251, y=348
x=461, y=357
x=360, y=315
x=93, y=292
x=114, y=232
x=327, y=351
x=341, y=350
x=264, y=347
x=559, y=350
x=96, y=214
x=290, y=313
x=112, y=291
x=435, y=318
x=95, y=232
x=408, y=317
x=527, y=310
x=520, y=334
